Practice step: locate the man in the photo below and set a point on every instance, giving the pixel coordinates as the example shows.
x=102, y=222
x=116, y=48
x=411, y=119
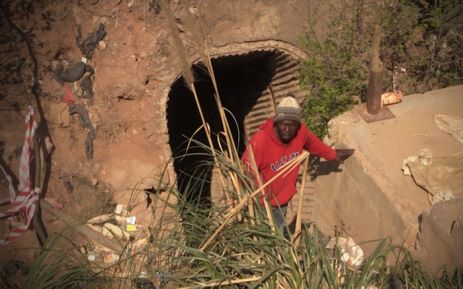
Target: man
x=278, y=141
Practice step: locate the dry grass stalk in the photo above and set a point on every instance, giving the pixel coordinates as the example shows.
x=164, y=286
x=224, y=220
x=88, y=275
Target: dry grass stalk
x=203, y=50
x=178, y=42
x=188, y=76
x=222, y=283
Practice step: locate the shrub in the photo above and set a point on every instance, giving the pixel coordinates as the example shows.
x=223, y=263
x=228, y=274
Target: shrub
x=421, y=39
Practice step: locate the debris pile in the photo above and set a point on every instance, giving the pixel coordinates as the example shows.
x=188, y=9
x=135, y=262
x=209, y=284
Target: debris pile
x=119, y=226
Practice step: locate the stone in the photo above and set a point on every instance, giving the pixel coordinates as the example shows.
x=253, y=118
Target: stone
x=102, y=45
x=94, y=182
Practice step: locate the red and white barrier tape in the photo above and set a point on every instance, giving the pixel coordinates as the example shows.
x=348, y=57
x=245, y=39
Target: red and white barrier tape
x=24, y=201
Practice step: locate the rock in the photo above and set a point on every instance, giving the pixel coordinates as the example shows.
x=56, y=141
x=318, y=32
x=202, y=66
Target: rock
x=111, y=230
x=102, y=45
x=107, y=233
x=94, y=182
x=100, y=219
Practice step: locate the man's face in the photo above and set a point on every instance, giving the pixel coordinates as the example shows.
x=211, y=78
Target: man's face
x=286, y=130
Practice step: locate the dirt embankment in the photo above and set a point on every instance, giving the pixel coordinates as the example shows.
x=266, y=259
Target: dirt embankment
x=129, y=66
x=119, y=89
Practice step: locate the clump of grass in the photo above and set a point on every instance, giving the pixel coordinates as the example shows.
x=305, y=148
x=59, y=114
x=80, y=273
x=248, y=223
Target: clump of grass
x=248, y=253
x=55, y=268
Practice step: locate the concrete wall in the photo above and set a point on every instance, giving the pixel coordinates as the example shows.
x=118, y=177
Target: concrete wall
x=372, y=198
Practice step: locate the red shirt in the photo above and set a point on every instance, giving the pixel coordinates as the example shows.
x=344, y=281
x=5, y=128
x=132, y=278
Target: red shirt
x=271, y=154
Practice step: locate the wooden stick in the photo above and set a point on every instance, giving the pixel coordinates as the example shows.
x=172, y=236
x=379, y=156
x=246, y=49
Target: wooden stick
x=297, y=231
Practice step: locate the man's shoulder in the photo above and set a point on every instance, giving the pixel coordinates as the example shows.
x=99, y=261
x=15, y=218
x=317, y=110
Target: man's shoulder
x=259, y=136
x=305, y=130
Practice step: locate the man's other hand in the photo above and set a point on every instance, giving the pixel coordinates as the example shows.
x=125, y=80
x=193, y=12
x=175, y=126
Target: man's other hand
x=343, y=154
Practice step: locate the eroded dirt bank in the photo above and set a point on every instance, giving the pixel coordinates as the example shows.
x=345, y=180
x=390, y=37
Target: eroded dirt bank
x=125, y=53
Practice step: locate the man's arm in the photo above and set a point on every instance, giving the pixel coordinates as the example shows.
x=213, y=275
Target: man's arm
x=316, y=147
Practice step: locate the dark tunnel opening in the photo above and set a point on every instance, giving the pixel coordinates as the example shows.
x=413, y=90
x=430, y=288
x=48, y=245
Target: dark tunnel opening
x=241, y=80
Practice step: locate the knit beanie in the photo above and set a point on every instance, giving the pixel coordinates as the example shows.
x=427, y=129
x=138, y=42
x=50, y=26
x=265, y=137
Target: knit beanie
x=287, y=109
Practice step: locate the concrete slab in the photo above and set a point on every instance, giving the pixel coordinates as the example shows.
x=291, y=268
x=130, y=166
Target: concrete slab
x=372, y=198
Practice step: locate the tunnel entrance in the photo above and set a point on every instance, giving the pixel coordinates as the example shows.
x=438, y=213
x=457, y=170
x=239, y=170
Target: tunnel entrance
x=249, y=86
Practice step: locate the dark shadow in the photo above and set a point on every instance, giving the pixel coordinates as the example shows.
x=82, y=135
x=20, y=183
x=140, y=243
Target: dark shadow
x=240, y=80
x=7, y=169
x=322, y=168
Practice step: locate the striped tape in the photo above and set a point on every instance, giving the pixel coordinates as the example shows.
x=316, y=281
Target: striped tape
x=23, y=200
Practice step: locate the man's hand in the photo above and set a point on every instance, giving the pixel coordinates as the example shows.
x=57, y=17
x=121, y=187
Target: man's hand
x=343, y=154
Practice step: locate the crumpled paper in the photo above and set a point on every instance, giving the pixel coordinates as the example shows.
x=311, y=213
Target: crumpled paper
x=352, y=254
x=424, y=157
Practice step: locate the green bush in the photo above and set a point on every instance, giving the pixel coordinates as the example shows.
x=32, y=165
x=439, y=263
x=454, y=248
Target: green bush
x=421, y=46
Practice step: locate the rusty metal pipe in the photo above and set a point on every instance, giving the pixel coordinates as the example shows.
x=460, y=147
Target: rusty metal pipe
x=375, y=82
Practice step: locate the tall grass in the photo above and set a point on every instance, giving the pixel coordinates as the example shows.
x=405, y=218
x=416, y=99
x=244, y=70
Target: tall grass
x=244, y=255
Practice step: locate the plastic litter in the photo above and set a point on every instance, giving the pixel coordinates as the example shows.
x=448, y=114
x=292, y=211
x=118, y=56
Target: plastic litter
x=68, y=96
x=88, y=45
x=352, y=254
x=91, y=257
x=132, y=220
x=71, y=74
x=424, y=157
x=441, y=177
x=131, y=228
x=131, y=224
x=391, y=98
x=24, y=198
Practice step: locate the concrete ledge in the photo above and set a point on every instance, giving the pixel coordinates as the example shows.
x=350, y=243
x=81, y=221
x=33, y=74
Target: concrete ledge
x=372, y=198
